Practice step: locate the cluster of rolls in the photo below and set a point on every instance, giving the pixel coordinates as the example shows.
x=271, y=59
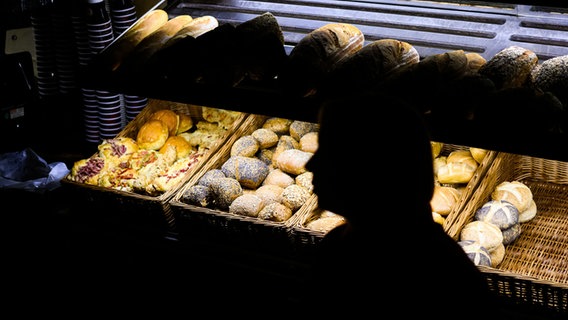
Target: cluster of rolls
x=265, y=175
x=497, y=223
x=452, y=172
x=166, y=146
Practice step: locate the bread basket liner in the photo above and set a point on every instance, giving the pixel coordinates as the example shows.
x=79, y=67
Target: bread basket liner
x=305, y=237
x=535, y=267
x=226, y=224
x=154, y=209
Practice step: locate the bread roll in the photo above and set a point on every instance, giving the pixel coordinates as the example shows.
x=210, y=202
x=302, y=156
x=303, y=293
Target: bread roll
x=474, y=61
x=462, y=156
x=299, y=128
x=266, y=138
x=478, y=154
x=279, y=125
x=444, y=199
x=486, y=234
x=294, y=196
x=279, y=178
x=510, y=67
x=438, y=218
x=309, y=142
x=152, y=135
x=515, y=192
x=185, y=123
x=316, y=54
x=552, y=76
x=497, y=255
x=209, y=176
x=500, y=213
x=275, y=211
x=528, y=214
x=169, y=117
x=455, y=172
x=179, y=144
x=293, y=161
x=305, y=180
x=511, y=234
x=478, y=254
x=436, y=148
x=198, y=195
x=325, y=223
x=247, y=205
x=224, y=191
x=124, y=45
x=245, y=146
x=270, y=193
x=249, y=172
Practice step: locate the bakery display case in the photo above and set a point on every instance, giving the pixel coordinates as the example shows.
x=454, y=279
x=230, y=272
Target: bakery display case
x=240, y=66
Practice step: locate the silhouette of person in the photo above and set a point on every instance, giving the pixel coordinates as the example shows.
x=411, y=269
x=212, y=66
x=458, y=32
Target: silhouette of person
x=390, y=258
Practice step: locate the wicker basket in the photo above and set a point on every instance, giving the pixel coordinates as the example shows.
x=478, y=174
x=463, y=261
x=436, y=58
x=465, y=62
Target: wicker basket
x=151, y=211
x=535, y=267
x=305, y=238
x=215, y=223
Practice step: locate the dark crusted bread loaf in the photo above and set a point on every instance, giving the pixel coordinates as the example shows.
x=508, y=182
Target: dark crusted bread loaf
x=316, y=54
x=510, y=67
x=552, y=76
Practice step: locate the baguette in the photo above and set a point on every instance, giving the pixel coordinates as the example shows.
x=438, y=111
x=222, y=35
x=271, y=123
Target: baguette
x=194, y=28
x=316, y=54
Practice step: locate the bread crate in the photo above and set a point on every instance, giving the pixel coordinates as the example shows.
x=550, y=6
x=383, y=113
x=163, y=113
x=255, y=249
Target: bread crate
x=212, y=221
x=534, y=270
x=306, y=239
x=152, y=210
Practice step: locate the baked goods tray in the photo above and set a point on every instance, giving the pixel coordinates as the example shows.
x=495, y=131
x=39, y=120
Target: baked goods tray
x=151, y=211
x=534, y=269
x=213, y=221
x=306, y=239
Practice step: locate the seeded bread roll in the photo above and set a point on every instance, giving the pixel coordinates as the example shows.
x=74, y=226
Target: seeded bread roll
x=249, y=172
x=510, y=67
x=209, y=176
x=306, y=180
x=515, y=192
x=511, y=234
x=245, y=146
x=500, y=213
x=279, y=125
x=285, y=142
x=266, y=138
x=275, y=211
x=225, y=191
x=197, y=195
x=247, y=204
x=478, y=254
x=486, y=234
x=294, y=196
x=315, y=55
x=299, y=128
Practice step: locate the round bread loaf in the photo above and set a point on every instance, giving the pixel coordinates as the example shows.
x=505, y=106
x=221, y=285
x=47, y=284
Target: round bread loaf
x=197, y=195
x=510, y=67
x=497, y=255
x=552, y=76
x=245, y=146
x=528, y=214
x=247, y=204
x=294, y=196
x=209, y=176
x=500, y=213
x=275, y=211
x=478, y=254
x=249, y=172
x=224, y=191
x=515, y=192
x=315, y=55
x=266, y=138
x=152, y=135
x=486, y=234
x=511, y=234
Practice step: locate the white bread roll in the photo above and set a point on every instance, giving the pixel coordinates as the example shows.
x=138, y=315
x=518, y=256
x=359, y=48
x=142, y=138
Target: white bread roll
x=462, y=156
x=247, y=204
x=444, y=199
x=486, y=234
x=500, y=213
x=515, y=192
x=528, y=214
x=293, y=161
x=279, y=178
x=309, y=142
